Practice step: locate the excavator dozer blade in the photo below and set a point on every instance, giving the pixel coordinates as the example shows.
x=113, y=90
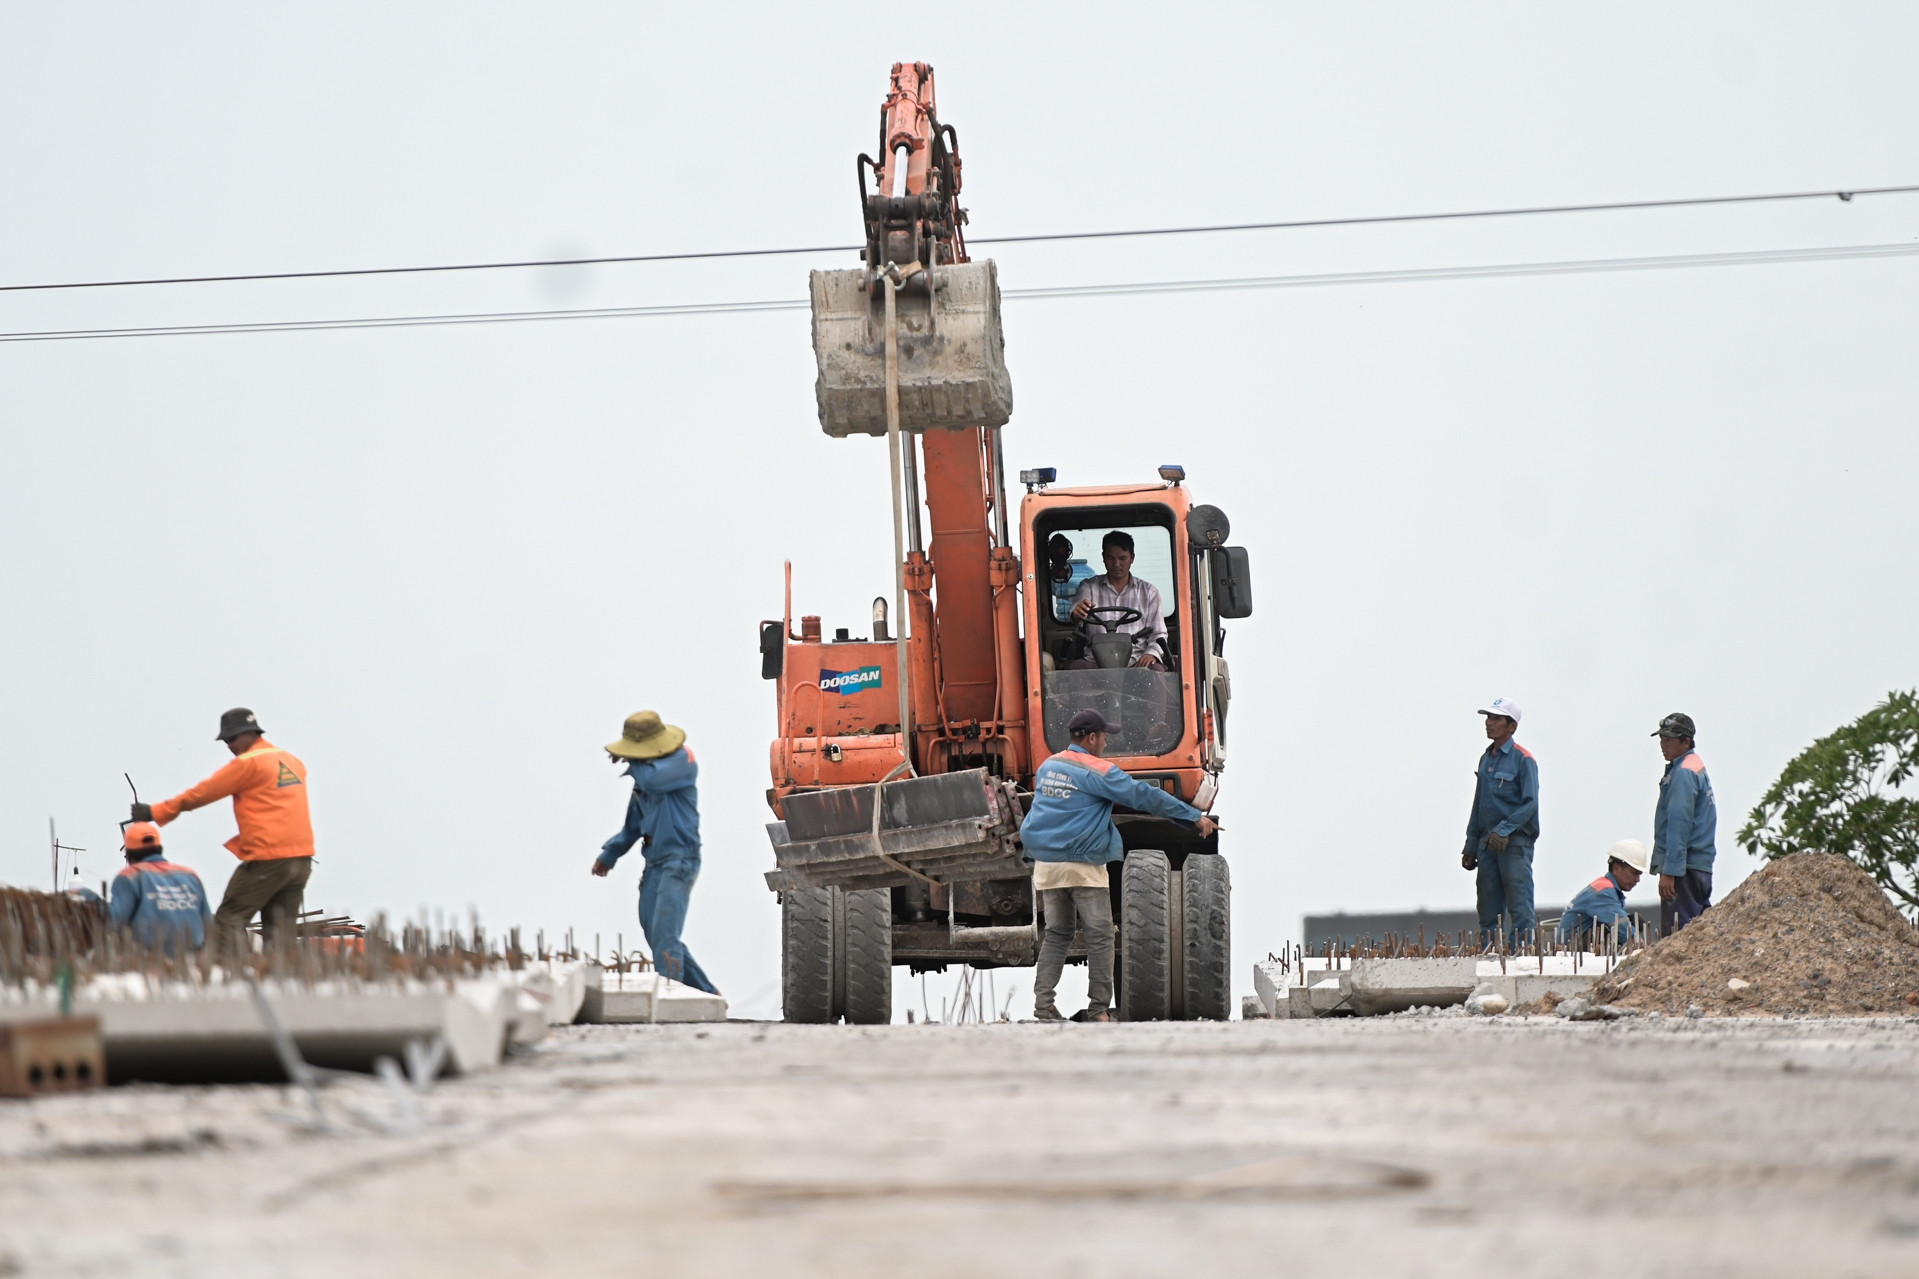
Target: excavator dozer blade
x=950, y=828
x=952, y=352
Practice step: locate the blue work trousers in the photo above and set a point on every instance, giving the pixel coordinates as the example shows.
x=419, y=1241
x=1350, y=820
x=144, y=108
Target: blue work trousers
x=1693, y=896
x=1505, y=888
x=666, y=886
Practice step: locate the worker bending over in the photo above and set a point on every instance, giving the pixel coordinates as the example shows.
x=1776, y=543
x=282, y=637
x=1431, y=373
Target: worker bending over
x=275, y=844
x=1070, y=838
x=663, y=816
x=1600, y=908
x=162, y=903
x=1503, y=826
x=1684, y=826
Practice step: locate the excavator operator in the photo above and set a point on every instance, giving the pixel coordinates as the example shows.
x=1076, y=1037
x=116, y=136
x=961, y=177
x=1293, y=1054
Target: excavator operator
x=1118, y=588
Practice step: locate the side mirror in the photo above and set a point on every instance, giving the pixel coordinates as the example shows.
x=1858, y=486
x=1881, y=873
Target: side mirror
x=772, y=649
x=1232, y=582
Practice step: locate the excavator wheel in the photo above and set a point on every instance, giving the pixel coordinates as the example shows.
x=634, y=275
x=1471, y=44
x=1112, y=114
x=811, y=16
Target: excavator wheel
x=838, y=955
x=866, y=956
x=1206, y=887
x=1145, y=952
x=806, y=959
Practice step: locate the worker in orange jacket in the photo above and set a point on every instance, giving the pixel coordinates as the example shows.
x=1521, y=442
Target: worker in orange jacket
x=275, y=843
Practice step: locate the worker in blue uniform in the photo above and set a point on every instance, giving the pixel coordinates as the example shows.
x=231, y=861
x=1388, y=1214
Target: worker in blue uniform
x=1503, y=827
x=1684, y=827
x=1070, y=838
x=663, y=817
x=162, y=903
x=1599, y=912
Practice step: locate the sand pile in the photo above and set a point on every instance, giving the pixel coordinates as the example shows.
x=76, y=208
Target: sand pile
x=1811, y=933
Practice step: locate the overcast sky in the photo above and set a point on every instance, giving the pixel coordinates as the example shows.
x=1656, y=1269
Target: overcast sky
x=444, y=563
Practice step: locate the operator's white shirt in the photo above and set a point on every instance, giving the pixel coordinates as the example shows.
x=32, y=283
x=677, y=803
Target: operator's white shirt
x=1150, y=631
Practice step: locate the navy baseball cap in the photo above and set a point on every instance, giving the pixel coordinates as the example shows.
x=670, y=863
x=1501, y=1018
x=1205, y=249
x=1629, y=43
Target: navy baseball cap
x=1089, y=721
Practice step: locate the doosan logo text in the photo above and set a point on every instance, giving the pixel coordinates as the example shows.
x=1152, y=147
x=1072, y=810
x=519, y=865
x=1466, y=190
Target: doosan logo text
x=846, y=683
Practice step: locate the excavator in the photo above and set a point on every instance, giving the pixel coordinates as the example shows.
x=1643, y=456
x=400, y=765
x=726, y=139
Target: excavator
x=903, y=761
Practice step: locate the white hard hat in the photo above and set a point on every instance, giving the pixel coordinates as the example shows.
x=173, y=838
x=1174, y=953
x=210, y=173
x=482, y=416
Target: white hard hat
x=1631, y=852
x=1503, y=706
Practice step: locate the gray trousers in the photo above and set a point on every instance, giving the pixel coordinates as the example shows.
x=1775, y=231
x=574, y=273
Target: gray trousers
x=1094, y=906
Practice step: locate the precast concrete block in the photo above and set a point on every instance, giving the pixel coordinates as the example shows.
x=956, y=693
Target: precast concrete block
x=1269, y=983
x=1331, y=993
x=1394, y=985
x=1299, y=1002
x=650, y=998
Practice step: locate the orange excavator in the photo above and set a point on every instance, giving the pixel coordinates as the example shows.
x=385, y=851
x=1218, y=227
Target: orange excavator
x=904, y=760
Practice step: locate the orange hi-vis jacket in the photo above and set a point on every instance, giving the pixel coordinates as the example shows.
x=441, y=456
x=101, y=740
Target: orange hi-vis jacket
x=269, y=790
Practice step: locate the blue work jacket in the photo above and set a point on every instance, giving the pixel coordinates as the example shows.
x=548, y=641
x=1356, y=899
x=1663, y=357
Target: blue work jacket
x=1686, y=820
x=1505, y=798
x=161, y=902
x=1072, y=815
x=1601, y=904
x=663, y=816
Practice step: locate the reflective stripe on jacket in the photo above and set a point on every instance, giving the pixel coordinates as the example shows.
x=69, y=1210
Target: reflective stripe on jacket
x=1601, y=903
x=1505, y=798
x=1072, y=815
x=161, y=902
x=663, y=815
x=269, y=793
x=1686, y=820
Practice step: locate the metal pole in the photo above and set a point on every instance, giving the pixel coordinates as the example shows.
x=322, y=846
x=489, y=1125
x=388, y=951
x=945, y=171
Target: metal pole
x=909, y=457
x=999, y=487
x=899, y=535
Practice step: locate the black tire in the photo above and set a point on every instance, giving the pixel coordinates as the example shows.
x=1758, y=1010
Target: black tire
x=866, y=946
x=1206, y=936
x=806, y=959
x=1145, y=951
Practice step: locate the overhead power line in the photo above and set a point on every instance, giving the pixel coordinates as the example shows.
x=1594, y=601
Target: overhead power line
x=1295, y=224
x=1417, y=275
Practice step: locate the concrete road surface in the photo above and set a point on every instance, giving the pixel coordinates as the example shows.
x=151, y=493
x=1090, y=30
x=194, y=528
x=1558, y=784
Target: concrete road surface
x=1392, y=1147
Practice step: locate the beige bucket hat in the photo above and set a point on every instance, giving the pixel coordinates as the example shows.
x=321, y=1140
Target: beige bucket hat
x=646, y=736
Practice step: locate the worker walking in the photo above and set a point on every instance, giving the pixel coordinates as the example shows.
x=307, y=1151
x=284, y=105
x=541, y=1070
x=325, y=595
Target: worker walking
x=1684, y=825
x=1503, y=826
x=1070, y=838
x=663, y=816
x=1599, y=911
x=275, y=843
x=162, y=903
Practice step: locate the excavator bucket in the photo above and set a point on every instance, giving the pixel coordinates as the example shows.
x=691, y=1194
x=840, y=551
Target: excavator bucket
x=949, y=828
x=952, y=363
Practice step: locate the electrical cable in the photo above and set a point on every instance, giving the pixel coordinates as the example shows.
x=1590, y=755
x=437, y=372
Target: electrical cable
x=1763, y=257
x=1380, y=219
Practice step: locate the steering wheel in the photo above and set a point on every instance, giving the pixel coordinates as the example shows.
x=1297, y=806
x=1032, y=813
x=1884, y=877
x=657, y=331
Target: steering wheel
x=1122, y=616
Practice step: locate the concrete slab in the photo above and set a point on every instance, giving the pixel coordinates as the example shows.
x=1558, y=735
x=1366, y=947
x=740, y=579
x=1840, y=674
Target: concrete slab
x=177, y=1032
x=1394, y=985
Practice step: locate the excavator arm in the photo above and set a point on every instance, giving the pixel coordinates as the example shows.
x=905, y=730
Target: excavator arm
x=912, y=213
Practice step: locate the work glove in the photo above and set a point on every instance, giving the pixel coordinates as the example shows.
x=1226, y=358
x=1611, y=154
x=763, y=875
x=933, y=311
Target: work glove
x=1469, y=860
x=143, y=812
x=1495, y=843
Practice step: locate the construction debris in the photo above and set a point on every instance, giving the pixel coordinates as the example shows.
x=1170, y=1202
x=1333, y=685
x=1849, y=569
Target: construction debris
x=1809, y=934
